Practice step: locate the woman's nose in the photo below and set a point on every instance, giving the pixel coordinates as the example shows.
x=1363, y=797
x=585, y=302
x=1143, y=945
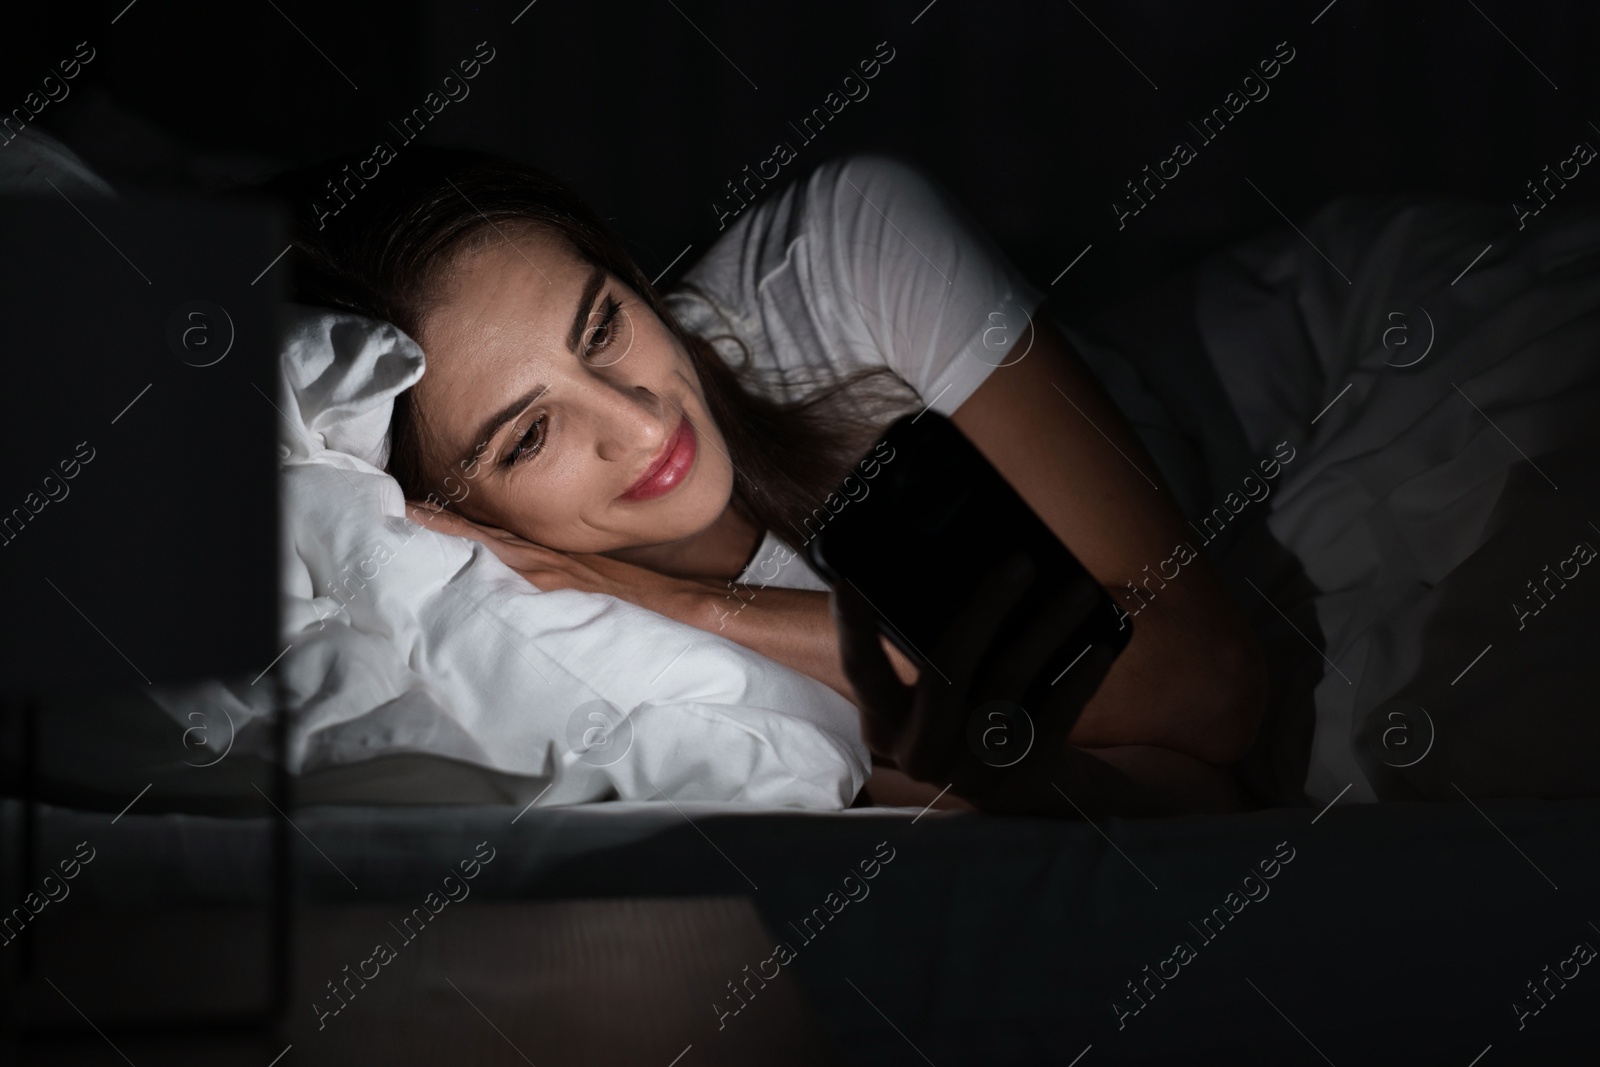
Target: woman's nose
x=631, y=420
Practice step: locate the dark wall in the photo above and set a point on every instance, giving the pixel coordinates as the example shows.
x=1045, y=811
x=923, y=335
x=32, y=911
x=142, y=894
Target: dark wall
x=1035, y=115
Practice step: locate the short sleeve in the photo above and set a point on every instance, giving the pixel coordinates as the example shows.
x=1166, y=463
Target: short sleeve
x=865, y=262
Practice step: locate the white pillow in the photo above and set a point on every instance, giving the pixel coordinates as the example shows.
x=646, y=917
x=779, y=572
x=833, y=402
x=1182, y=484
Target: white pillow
x=404, y=640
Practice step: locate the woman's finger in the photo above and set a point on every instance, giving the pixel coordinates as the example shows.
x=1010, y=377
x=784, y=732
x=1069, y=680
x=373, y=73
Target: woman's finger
x=886, y=701
x=446, y=522
x=1065, y=697
x=425, y=515
x=973, y=625
x=1010, y=669
x=946, y=696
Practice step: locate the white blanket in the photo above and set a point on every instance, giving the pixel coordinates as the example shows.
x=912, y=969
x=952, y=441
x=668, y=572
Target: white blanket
x=1430, y=494
x=404, y=640
x=1436, y=371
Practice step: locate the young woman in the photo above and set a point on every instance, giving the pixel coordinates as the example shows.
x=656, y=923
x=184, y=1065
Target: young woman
x=669, y=449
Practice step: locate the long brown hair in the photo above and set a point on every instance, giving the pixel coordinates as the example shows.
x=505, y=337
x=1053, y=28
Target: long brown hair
x=386, y=251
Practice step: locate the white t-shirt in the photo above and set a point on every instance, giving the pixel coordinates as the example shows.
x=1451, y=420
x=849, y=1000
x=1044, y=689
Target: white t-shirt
x=863, y=263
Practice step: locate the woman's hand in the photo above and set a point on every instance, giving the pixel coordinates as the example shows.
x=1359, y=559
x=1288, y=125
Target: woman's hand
x=684, y=599
x=944, y=731
x=790, y=626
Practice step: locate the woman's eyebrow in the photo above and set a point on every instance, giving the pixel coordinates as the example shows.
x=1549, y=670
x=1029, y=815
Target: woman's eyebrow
x=493, y=424
x=580, y=317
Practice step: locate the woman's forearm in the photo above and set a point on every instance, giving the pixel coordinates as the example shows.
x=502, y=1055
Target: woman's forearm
x=1123, y=781
x=1127, y=780
x=796, y=628
x=1146, y=700
x=1181, y=685
x=793, y=627
x=1192, y=680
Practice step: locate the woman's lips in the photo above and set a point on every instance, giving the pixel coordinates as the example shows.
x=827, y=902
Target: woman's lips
x=668, y=470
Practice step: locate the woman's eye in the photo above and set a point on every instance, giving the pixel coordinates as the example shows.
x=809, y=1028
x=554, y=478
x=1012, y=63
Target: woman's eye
x=529, y=444
x=606, y=332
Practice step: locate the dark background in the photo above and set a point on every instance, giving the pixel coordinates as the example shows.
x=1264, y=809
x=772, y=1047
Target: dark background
x=1034, y=120
x=1025, y=110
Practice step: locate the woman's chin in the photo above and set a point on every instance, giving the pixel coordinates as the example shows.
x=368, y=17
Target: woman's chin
x=654, y=541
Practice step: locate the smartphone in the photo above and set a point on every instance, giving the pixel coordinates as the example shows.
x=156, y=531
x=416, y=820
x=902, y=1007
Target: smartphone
x=923, y=518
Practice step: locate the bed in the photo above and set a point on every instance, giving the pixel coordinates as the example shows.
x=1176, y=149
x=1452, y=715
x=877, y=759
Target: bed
x=1404, y=932
x=982, y=941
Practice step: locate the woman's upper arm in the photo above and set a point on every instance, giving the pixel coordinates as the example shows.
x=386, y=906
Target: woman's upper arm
x=1046, y=423
x=896, y=273
x=906, y=274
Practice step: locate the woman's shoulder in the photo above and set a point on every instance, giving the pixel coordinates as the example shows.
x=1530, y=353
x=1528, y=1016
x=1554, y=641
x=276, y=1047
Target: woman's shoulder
x=773, y=290
x=863, y=262
x=822, y=211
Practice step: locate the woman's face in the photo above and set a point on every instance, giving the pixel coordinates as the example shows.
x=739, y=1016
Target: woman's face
x=566, y=410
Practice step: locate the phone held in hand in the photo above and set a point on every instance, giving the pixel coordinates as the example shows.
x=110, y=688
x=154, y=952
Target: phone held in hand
x=934, y=520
